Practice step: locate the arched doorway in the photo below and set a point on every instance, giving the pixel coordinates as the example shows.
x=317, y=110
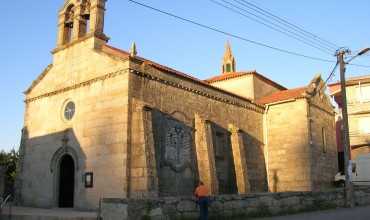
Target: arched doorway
x=66, y=182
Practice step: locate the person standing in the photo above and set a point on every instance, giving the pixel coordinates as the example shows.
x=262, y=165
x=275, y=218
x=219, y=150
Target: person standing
x=202, y=195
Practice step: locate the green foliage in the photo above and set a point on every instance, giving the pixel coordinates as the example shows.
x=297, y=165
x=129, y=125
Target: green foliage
x=9, y=160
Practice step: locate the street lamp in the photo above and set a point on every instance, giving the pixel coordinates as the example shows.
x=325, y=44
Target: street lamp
x=362, y=52
x=346, y=141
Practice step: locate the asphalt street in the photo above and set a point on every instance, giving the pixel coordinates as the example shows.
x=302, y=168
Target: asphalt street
x=358, y=213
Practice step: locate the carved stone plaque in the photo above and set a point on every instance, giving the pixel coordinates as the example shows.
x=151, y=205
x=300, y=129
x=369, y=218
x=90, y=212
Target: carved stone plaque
x=175, y=156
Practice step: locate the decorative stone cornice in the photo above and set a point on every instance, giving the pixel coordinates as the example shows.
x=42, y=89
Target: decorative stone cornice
x=102, y=37
x=221, y=98
x=227, y=100
x=39, y=78
x=79, y=85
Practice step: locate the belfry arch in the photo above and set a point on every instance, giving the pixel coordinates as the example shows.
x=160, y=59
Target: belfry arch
x=68, y=24
x=79, y=19
x=84, y=26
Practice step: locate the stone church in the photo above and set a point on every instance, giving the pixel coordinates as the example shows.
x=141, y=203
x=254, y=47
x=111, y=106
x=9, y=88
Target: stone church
x=101, y=122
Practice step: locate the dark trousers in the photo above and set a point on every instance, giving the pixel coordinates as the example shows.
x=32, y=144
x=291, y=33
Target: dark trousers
x=203, y=207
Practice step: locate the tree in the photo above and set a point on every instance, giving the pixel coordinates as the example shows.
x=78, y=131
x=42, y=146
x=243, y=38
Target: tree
x=9, y=160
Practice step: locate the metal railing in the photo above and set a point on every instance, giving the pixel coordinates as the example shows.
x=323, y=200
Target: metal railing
x=3, y=205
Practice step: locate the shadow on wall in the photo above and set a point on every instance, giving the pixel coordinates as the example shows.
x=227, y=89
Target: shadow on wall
x=275, y=180
x=175, y=155
x=60, y=159
x=224, y=159
x=256, y=164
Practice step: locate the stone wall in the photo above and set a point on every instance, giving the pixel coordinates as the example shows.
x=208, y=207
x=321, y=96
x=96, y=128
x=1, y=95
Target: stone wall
x=249, y=86
x=230, y=206
x=96, y=136
x=262, y=88
x=323, y=145
x=197, y=106
x=288, y=149
x=243, y=86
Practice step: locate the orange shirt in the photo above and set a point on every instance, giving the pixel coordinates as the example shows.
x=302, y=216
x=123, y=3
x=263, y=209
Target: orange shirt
x=201, y=191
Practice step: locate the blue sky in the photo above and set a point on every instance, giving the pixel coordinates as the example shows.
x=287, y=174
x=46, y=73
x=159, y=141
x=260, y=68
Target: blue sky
x=28, y=34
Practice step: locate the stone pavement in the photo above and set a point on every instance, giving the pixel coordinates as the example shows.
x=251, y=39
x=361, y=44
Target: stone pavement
x=358, y=213
x=47, y=214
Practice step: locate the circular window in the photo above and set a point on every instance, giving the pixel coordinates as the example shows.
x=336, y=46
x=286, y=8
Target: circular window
x=69, y=110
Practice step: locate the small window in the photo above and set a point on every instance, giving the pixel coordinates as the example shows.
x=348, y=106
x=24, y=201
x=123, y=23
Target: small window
x=69, y=110
x=228, y=67
x=324, y=143
x=364, y=125
x=363, y=93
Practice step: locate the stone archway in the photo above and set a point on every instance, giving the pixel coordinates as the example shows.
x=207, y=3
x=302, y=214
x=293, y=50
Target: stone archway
x=66, y=182
x=65, y=166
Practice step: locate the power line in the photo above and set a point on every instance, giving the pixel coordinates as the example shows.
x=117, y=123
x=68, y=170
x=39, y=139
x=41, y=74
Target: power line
x=230, y=34
x=274, y=26
x=358, y=65
x=286, y=22
x=240, y=37
x=331, y=73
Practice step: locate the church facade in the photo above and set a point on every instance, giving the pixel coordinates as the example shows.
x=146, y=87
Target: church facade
x=101, y=122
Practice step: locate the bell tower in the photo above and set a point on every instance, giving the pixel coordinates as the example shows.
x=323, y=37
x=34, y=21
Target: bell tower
x=81, y=19
x=228, y=62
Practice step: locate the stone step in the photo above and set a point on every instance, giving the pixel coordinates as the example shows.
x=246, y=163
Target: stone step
x=26, y=213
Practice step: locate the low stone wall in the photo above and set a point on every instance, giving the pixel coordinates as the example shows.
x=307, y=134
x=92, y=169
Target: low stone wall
x=229, y=206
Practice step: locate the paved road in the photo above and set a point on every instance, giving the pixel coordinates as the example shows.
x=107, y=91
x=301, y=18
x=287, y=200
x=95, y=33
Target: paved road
x=43, y=213
x=359, y=213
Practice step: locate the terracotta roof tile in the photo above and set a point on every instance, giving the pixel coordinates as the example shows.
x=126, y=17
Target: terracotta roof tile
x=124, y=54
x=232, y=75
x=226, y=76
x=283, y=96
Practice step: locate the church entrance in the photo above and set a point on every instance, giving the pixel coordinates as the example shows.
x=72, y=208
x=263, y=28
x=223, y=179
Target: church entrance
x=66, y=182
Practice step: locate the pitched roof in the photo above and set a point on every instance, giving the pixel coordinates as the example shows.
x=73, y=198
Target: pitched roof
x=124, y=54
x=353, y=81
x=227, y=76
x=283, y=96
x=38, y=79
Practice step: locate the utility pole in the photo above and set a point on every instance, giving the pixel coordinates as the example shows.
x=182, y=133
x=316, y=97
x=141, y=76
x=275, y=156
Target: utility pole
x=346, y=141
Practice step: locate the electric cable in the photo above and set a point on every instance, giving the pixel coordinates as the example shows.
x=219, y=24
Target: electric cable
x=285, y=21
x=214, y=29
x=256, y=18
